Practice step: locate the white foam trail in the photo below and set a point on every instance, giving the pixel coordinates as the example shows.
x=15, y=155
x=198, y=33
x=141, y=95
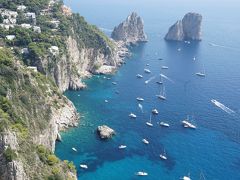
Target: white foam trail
x=226, y=47
x=222, y=106
x=141, y=107
x=167, y=78
x=105, y=29
x=149, y=80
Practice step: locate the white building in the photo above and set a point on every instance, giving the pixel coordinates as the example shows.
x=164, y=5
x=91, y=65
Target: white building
x=37, y=29
x=7, y=26
x=10, y=37
x=21, y=8
x=54, y=50
x=10, y=17
x=34, y=68
x=32, y=16
x=24, y=51
x=26, y=26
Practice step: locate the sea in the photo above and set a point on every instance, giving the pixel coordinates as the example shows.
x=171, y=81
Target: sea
x=212, y=150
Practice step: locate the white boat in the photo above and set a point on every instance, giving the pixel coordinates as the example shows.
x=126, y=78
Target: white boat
x=186, y=177
x=114, y=83
x=163, y=156
x=164, y=124
x=179, y=49
x=201, y=74
x=162, y=94
x=149, y=123
x=147, y=64
x=187, y=124
x=139, y=76
x=147, y=71
x=160, y=81
x=164, y=67
x=122, y=147
x=155, y=111
x=106, y=101
x=141, y=173
x=83, y=166
x=194, y=58
x=145, y=141
x=131, y=115
x=74, y=149
x=140, y=99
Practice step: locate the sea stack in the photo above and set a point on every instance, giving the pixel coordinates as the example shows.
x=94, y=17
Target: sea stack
x=189, y=28
x=130, y=31
x=105, y=132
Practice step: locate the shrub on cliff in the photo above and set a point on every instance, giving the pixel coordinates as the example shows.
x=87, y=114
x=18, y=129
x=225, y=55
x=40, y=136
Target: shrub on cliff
x=9, y=154
x=6, y=57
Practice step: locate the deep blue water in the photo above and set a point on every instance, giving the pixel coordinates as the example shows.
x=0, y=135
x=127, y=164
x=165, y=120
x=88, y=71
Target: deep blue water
x=213, y=148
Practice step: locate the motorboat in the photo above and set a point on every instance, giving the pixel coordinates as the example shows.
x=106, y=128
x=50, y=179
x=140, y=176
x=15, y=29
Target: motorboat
x=164, y=124
x=147, y=71
x=122, y=147
x=131, y=115
x=139, y=76
x=145, y=141
x=140, y=99
x=155, y=111
x=83, y=166
x=141, y=173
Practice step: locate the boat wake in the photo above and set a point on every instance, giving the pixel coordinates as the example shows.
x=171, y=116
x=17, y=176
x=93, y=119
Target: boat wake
x=221, y=46
x=140, y=107
x=149, y=80
x=223, y=107
x=162, y=75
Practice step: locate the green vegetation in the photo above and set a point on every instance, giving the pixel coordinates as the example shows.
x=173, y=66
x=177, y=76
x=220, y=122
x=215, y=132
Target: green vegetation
x=6, y=57
x=9, y=154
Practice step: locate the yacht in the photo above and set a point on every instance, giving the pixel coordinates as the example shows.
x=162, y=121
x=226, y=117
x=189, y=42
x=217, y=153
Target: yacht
x=160, y=81
x=147, y=71
x=201, y=74
x=187, y=124
x=122, y=147
x=139, y=76
x=149, y=123
x=145, y=141
x=163, y=156
x=83, y=166
x=106, y=101
x=155, y=111
x=164, y=124
x=140, y=99
x=131, y=115
x=147, y=64
x=74, y=149
x=164, y=67
x=162, y=94
x=186, y=177
x=114, y=83
x=179, y=49
x=141, y=173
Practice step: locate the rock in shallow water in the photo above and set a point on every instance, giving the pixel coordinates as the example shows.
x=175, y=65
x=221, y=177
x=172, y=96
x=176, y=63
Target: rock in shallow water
x=131, y=31
x=105, y=132
x=189, y=28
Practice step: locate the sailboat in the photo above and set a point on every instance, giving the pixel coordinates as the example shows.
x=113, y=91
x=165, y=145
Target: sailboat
x=162, y=94
x=160, y=81
x=164, y=124
x=149, y=123
x=163, y=156
x=187, y=124
x=201, y=74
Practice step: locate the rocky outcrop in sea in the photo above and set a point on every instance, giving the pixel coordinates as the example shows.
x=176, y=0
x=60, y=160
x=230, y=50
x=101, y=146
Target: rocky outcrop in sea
x=189, y=28
x=131, y=31
x=105, y=132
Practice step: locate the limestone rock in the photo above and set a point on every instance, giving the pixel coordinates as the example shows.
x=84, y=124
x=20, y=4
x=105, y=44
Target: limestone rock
x=189, y=28
x=105, y=132
x=131, y=31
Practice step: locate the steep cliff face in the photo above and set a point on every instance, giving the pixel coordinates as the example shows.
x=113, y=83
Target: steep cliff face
x=131, y=31
x=189, y=28
x=32, y=112
x=87, y=51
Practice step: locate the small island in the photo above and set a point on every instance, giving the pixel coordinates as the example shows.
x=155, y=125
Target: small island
x=130, y=31
x=189, y=28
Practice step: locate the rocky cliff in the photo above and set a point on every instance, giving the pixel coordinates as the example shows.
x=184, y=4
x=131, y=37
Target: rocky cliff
x=130, y=31
x=189, y=28
x=32, y=112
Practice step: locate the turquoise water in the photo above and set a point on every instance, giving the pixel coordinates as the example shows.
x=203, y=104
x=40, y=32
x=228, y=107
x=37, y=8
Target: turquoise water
x=213, y=148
